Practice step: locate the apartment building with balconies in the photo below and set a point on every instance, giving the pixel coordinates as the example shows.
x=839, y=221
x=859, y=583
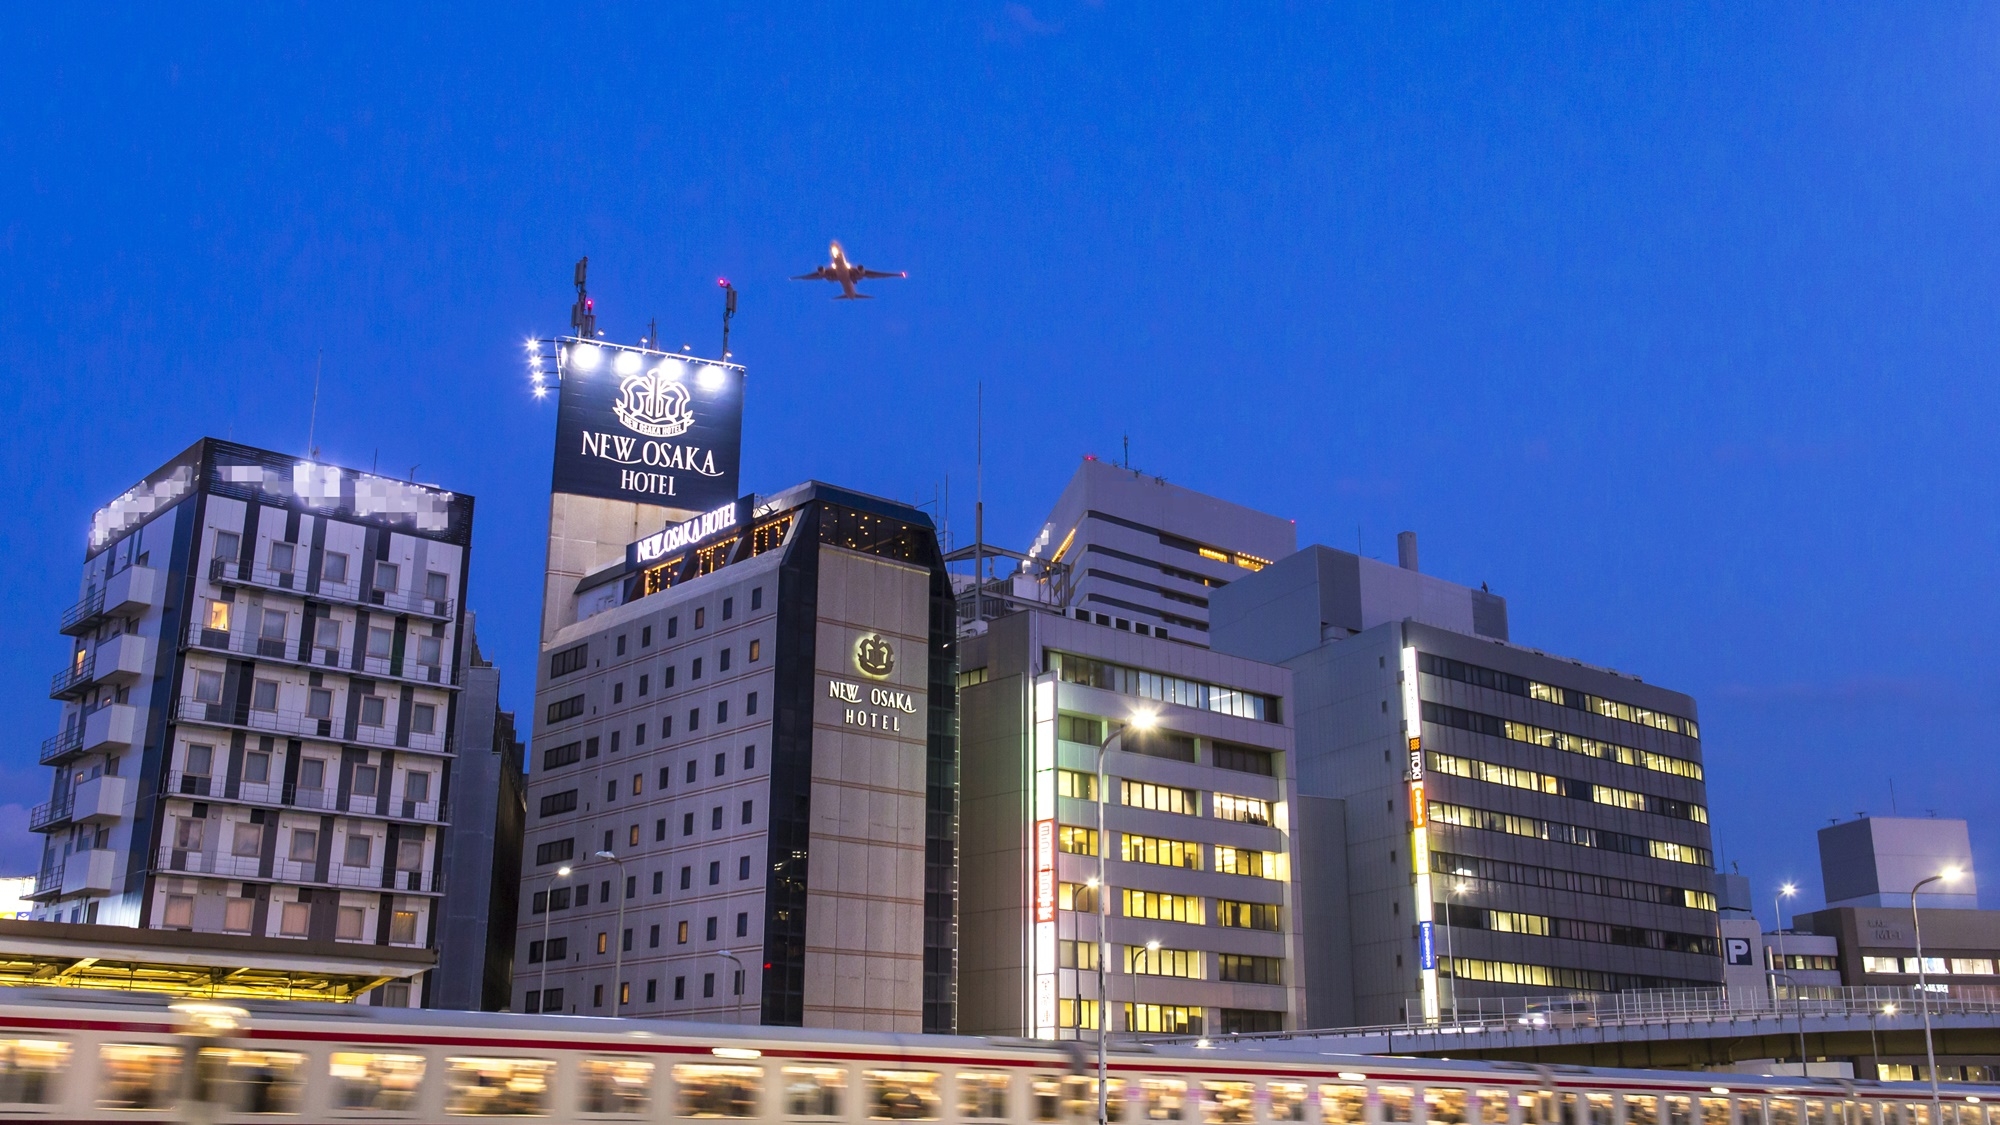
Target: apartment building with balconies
x=259, y=706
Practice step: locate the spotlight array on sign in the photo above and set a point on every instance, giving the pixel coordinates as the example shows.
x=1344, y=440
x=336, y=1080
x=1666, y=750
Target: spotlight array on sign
x=585, y=357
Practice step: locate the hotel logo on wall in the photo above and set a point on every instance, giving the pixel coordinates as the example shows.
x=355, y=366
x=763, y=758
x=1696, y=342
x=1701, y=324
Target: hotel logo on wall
x=874, y=657
x=647, y=426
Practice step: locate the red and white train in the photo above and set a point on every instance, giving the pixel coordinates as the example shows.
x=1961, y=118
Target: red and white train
x=80, y=1056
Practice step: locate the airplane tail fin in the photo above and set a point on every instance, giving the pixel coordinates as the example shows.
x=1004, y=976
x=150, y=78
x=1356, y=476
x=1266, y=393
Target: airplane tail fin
x=855, y=297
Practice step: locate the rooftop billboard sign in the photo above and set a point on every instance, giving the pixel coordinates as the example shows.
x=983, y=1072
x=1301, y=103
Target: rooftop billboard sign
x=650, y=427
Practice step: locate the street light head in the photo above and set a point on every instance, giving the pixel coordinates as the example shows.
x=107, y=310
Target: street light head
x=1888, y=1009
x=606, y=855
x=1091, y=882
x=1950, y=874
x=1458, y=888
x=1789, y=889
x=563, y=871
x=1145, y=720
x=1153, y=946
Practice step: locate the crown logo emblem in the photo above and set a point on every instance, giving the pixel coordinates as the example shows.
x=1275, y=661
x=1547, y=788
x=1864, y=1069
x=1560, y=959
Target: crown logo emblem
x=874, y=657
x=653, y=403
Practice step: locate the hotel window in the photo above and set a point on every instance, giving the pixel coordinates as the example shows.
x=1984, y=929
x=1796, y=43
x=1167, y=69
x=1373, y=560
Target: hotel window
x=694, y=720
x=272, y=627
x=283, y=555
x=700, y=615
x=264, y=695
x=366, y=778
x=715, y=819
x=749, y=757
x=237, y=914
x=694, y=669
x=1076, y=841
x=742, y=924
x=750, y=704
x=1244, y=810
x=246, y=839
x=294, y=918
x=690, y=771
x=687, y=878
x=333, y=568
x=681, y=934
x=403, y=927
x=326, y=633
x=349, y=923
x=722, y=663
x=312, y=773
x=644, y=682
x=305, y=845
x=430, y=651
x=360, y=851
x=722, y=711
x=409, y=854
x=617, y=693
x=218, y=616
x=257, y=767
x=673, y=627
x=434, y=586
x=667, y=678
x=371, y=710
x=188, y=834
x=423, y=718
x=756, y=651
x=757, y=597
x=387, y=576
x=687, y=822
x=747, y=806
x=319, y=703
x=179, y=913
x=199, y=760
x=380, y=643
x=208, y=687
x=228, y=545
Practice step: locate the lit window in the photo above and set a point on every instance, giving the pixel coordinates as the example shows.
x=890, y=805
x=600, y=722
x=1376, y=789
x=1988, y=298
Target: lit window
x=179, y=913
x=294, y=918
x=218, y=616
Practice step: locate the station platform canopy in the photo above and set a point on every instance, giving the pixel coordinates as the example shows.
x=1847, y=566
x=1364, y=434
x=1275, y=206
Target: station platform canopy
x=184, y=963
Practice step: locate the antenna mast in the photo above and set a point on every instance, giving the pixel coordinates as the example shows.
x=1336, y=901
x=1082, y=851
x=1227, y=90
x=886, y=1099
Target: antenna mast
x=728, y=312
x=979, y=506
x=312, y=420
x=583, y=314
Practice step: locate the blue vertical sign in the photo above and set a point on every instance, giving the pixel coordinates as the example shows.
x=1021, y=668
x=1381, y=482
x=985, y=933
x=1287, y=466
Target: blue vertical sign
x=1427, y=954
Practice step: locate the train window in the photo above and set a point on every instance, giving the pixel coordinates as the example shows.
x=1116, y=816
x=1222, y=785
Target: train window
x=1288, y=1101
x=1229, y=1103
x=1600, y=1108
x=1816, y=1112
x=1396, y=1102
x=717, y=1091
x=1162, y=1099
x=1444, y=1106
x=1784, y=1111
x=1537, y=1109
x=1642, y=1109
x=1715, y=1111
x=814, y=1091
x=253, y=1081
x=1679, y=1111
x=478, y=1087
x=902, y=1095
x=28, y=1069
x=1749, y=1111
x=1343, y=1105
x=381, y=1082
x=1493, y=1107
x=1046, y=1095
x=621, y=1086
x=1081, y=1095
x=1913, y=1113
x=1569, y=1111
x=983, y=1097
x=138, y=1075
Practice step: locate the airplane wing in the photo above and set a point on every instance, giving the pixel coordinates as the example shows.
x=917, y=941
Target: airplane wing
x=819, y=274
x=879, y=273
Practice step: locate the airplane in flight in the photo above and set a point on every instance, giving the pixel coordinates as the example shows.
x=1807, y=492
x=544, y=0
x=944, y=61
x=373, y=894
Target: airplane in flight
x=845, y=273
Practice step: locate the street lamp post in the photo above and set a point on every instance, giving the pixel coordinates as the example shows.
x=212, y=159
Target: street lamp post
x=742, y=979
x=1778, y=905
x=1949, y=874
x=1458, y=888
x=1141, y=720
x=548, y=908
x=618, y=957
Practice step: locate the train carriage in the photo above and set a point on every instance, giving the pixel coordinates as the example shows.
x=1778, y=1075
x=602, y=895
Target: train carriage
x=67, y=1055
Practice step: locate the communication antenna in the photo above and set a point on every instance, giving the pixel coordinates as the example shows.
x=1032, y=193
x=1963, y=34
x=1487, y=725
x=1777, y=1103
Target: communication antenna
x=979, y=505
x=728, y=311
x=653, y=334
x=312, y=420
x=583, y=314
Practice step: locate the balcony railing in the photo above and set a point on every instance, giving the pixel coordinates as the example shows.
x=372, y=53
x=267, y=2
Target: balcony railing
x=325, y=729
x=275, y=794
x=295, y=871
x=349, y=592
x=79, y=673
x=78, y=617
x=285, y=649
x=58, y=747
x=48, y=881
x=52, y=814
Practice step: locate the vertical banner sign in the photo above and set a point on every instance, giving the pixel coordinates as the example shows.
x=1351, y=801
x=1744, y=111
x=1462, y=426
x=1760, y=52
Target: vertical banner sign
x=1420, y=844
x=1427, y=954
x=1042, y=729
x=645, y=426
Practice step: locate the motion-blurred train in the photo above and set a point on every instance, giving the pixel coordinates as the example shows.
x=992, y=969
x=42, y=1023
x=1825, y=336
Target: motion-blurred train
x=81, y=1056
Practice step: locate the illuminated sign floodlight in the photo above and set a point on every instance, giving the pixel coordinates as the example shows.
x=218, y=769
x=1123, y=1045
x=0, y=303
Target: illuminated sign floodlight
x=627, y=363
x=585, y=357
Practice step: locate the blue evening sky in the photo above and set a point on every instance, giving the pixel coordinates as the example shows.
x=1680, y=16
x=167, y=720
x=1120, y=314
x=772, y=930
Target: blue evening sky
x=1675, y=324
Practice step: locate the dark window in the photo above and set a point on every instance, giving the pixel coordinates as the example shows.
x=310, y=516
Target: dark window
x=1243, y=759
x=564, y=709
x=1243, y=1021
x=610, y=793
x=583, y=894
x=714, y=877
x=707, y=979
x=722, y=711
x=666, y=727
x=666, y=775
x=673, y=627
x=680, y=988
x=750, y=752
x=555, y=851
x=709, y=931
x=566, y=754
x=690, y=771
x=639, y=735
x=557, y=803
x=743, y=867
x=645, y=682
x=568, y=660
x=618, y=693
x=687, y=824
x=621, y=646
x=631, y=886
x=728, y=608
x=687, y=878
x=659, y=884
x=558, y=948
x=722, y=662
x=653, y=937
x=742, y=924
x=590, y=748
x=694, y=719
x=552, y=1000
x=757, y=597
x=646, y=637
x=715, y=818
x=721, y=763
x=660, y=829
x=746, y=812
x=653, y=986
x=694, y=669
x=750, y=704
x=700, y=615
x=667, y=678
